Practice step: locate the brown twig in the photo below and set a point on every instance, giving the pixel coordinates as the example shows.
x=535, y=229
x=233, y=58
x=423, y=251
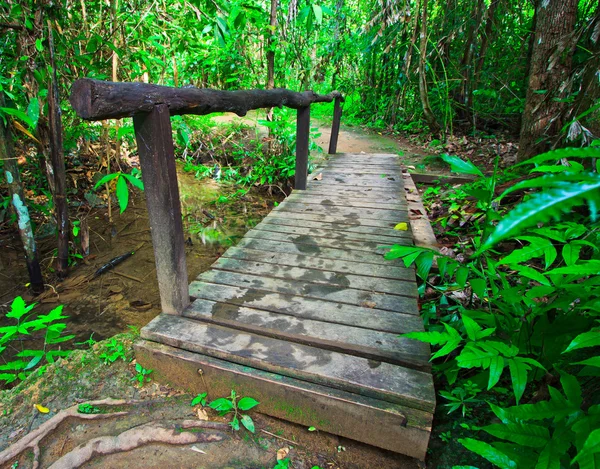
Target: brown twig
x=130, y=277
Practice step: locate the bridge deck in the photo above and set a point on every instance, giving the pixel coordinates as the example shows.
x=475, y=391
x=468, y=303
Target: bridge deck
x=304, y=314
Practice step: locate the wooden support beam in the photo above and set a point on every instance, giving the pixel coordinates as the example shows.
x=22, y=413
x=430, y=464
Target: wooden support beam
x=153, y=133
x=335, y=127
x=98, y=100
x=302, y=133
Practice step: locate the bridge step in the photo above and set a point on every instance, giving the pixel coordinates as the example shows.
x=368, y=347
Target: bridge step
x=306, y=308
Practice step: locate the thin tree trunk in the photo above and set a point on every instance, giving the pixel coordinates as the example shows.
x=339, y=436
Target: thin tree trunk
x=115, y=67
x=409, y=51
x=271, y=53
x=550, y=67
x=15, y=191
x=430, y=118
x=58, y=165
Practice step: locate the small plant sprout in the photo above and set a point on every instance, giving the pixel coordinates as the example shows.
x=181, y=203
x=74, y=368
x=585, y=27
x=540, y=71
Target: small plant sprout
x=225, y=405
x=115, y=350
x=142, y=374
x=88, y=409
x=199, y=399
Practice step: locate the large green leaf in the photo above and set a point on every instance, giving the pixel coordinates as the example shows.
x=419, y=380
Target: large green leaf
x=461, y=166
x=590, y=447
x=525, y=434
x=518, y=375
x=488, y=452
x=587, y=339
x=542, y=207
x=247, y=403
x=122, y=194
x=555, y=155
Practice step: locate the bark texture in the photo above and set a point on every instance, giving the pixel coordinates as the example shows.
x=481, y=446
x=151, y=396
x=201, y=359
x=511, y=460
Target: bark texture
x=549, y=71
x=98, y=100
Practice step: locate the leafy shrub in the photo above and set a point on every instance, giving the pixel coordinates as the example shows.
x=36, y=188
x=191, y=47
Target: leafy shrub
x=529, y=318
x=14, y=336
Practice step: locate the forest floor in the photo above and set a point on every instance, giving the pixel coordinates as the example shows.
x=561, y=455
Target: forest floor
x=128, y=296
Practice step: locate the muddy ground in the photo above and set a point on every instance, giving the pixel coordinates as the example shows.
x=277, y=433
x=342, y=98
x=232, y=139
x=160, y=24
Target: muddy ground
x=128, y=296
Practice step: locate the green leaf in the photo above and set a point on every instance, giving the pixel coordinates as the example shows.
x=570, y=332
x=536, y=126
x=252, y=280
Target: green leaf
x=248, y=423
x=590, y=447
x=221, y=405
x=38, y=45
x=199, y=399
x=538, y=247
x=555, y=155
x=235, y=423
x=587, y=339
x=318, y=11
x=247, y=403
x=105, y=179
x=18, y=114
x=488, y=452
x=454, y=339
x=122, y=194
x=591, y=267
x=18, y=308
x=524, y=434
x=496, y=369
x=33, y=111
x=542, y=207
x=518, y=374
x=572, y=389
x=458, y=165
x=594, y=361
x=134, y=181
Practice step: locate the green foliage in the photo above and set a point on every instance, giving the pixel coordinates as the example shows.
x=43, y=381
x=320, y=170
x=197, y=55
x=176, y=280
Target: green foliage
x=114, y=351
x=88, y=409
x=123, y=181
x=233, y=404
x=199, y=399
x=45, y=328
x=141, y=374
x=515, y=317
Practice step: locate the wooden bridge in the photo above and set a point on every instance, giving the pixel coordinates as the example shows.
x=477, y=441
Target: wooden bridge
x=304, y=314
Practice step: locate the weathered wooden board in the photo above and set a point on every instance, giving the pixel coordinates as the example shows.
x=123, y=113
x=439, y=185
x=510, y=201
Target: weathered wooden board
x=388, y=231
x=419, y=222
x=367, y=343
x=397, y=204
x=311, y=250
x=359, y=375
x=348, y=181
x=346, y=212
x=387, y=271
x=333, y=234
x=342, y=295
x=319, y=242
x=393, y=176
x=340, y=219
x=373, y=193
x=382, y=424
x=358, y=169
x=358, y=282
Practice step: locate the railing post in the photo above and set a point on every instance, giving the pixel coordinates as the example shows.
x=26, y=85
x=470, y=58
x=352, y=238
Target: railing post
x=155, y=145
x=302, y=131
x=335, y=127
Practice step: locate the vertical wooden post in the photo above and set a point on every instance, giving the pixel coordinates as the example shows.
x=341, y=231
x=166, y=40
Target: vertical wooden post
x=302, y=131
x=335, y=127
x=155, y=145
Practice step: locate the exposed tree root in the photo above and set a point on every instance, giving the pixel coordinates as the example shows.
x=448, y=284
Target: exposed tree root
x=32, y=439
x=151, y=432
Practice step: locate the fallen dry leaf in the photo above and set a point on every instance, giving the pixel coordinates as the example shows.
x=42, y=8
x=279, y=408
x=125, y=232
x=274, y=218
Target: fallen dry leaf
x=368, y=304
x=282, y=453
x=202, y=415
x=42, y=409
x=402, y=226
x=318, y=177
x=197, y=450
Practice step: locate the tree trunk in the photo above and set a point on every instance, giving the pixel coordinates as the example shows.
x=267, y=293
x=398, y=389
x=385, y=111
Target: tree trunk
x=271, y=53
x=58, y=166
x=15, y=191
x=550, y=67
x=430, y=118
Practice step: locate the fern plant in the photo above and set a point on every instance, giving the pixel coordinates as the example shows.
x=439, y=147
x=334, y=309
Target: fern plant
x=518, y=317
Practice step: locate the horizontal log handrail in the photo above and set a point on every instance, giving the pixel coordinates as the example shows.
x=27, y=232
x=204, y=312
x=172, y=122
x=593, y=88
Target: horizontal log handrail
x=98, y=100
x=151, y=107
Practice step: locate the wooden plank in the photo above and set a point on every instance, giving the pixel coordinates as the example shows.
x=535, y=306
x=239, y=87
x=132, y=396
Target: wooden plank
x=382, y=424
x=420, y=224
x=339, y=235
x=358, y=230
x=309, y=308
x=312, y=243
x=372, y=192
x=340, y=201
x=349, y=181
x=374, y=345
x=379, y=380
x=375, y=178
x=155, y=145
x=358, y=282
x=402, y=302
x=302, y=131
x=324, y=253
x=350, y=169
x=347, y=212
x=440, y=179
x=339, y=219
x=382, y=270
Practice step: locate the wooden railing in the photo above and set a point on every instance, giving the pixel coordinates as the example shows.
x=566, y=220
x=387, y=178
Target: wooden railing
x=151, y=107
